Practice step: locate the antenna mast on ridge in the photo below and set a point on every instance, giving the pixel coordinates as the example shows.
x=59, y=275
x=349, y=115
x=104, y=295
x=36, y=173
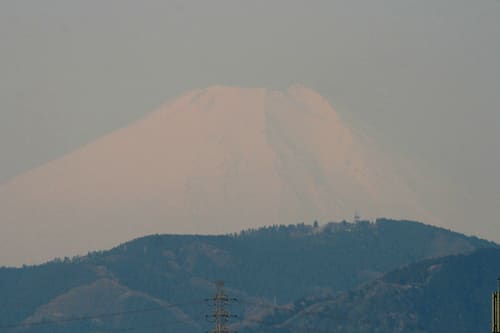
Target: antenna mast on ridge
x=357, y=218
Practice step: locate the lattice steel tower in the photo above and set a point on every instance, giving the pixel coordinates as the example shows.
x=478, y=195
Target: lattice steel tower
x=220, y=317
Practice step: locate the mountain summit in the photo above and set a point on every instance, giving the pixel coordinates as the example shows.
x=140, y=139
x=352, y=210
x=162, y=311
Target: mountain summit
x=211, y=161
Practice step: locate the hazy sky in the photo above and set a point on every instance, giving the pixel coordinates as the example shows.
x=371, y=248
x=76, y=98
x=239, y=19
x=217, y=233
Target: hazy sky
x=422, y=77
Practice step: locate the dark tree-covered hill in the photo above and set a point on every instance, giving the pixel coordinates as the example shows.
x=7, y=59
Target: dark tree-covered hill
x=450, y=294
x=164, y=279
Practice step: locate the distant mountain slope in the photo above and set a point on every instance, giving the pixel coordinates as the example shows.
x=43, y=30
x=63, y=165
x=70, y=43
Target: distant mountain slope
x=450, y=294
x=275, y=264
x=212, y=161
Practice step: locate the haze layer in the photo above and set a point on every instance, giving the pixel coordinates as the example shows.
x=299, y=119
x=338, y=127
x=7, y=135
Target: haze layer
x=211, y=161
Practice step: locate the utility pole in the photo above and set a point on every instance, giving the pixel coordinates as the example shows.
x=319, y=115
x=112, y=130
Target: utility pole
x=495, y=309
x=220, y=316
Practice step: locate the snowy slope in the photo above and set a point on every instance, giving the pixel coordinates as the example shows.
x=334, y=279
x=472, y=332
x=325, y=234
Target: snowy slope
x=211, y=161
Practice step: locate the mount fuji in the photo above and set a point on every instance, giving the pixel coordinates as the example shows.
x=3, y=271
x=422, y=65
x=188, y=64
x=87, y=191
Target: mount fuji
x=214, y=160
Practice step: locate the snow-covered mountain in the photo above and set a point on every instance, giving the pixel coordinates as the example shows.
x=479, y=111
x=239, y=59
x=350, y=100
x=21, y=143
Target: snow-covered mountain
x=211, y=161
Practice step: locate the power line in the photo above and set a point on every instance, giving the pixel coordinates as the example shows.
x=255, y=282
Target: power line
x=163, y=324
x=297, y=327
x=220, y=316
x=95, y=316
x=303, y=313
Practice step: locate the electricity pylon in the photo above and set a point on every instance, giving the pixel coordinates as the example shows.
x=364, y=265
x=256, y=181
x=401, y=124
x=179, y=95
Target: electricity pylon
x=220, y=316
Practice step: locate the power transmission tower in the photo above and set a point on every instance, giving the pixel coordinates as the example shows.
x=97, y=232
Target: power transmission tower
x=220, y=316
